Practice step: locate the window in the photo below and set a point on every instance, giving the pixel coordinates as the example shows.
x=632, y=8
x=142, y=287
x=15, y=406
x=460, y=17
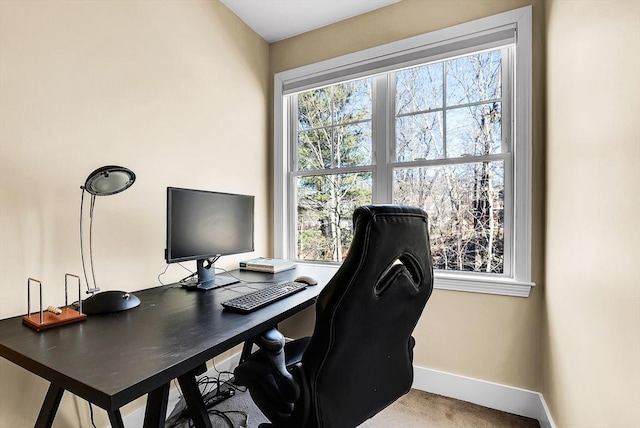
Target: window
x=441, y=121
x=450, y=156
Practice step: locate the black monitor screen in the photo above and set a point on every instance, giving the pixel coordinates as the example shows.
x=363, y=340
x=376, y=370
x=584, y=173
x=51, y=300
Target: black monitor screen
x=202, y=224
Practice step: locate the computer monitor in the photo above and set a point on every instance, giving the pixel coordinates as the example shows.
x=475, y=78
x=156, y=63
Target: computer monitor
x=204, y=225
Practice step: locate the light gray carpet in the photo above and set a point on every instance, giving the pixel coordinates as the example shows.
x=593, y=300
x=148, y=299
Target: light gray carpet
x=417, y=409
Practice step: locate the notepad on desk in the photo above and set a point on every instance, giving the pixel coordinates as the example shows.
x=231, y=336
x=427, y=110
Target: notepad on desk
x=263, y=264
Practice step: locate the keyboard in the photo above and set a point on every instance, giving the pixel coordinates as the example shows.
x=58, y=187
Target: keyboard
x=260, y=298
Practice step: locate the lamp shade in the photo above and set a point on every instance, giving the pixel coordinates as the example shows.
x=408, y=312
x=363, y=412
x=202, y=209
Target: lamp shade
x=109, y=180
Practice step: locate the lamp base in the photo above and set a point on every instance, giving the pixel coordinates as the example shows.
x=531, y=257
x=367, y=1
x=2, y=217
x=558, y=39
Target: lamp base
x=109, y=301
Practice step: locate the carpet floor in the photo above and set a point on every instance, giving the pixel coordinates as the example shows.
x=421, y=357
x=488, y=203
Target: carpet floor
x=417, y=409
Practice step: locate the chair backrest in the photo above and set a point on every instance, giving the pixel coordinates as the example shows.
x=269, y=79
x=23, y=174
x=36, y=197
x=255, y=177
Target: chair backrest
x=359, y=358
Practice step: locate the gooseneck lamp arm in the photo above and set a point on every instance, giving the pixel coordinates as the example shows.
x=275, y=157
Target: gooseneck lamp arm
x=90, y=290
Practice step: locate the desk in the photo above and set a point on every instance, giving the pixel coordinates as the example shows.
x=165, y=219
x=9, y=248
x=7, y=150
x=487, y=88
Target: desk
x=110, y=360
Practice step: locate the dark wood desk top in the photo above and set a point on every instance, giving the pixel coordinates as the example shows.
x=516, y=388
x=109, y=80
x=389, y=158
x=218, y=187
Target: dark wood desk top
x=113, y=359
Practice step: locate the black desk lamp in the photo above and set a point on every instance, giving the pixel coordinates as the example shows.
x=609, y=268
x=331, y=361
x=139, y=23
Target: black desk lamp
x=107, y=180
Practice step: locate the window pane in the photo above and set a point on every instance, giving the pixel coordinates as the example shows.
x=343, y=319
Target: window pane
x=314, y=108
x=419, y=136
x=474, y=78
x=419, y=88
x=352, y=101
x=314, y=149
x=465, y=204
x=352, y=145
x=342, y=146
x=325, y=208
x=474, y=130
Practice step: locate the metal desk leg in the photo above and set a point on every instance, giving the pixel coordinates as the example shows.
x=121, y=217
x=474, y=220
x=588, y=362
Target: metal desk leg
x=116, y=419
x=246, y=350
x=156, y=411
x=49, y=407
x=193, y=398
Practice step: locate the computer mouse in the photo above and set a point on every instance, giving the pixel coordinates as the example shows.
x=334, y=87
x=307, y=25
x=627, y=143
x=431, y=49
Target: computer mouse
x=109, y=301
x=306, y=279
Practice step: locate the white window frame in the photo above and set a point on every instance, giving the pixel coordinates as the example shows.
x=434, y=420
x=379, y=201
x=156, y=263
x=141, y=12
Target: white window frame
x=443, y=43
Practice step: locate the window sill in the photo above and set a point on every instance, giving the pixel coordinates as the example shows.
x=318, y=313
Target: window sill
x=467, y=282
x=480, y=284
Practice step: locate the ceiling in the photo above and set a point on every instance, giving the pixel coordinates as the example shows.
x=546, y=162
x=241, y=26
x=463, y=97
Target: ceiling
x=276, y=20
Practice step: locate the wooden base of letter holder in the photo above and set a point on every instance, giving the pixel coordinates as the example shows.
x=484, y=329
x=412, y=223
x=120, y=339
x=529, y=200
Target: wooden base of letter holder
x=50, y=320
x=43, y=320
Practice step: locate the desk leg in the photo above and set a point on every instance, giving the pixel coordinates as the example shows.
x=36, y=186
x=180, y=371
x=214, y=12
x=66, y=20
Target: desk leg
x=49, y=407
x=156, y=411
x=116, y=419
x=193, y=398
x=246, y=350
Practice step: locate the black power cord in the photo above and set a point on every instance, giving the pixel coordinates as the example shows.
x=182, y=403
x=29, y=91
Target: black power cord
x=214, y=392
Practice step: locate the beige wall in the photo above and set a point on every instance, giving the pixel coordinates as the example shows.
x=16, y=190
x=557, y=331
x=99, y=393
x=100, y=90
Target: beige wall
x=158, y=87
x=483, y=336
x=592, y=296
x=175, y=90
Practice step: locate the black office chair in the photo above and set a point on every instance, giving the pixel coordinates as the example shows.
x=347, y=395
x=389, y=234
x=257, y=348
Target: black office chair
x=359, y=358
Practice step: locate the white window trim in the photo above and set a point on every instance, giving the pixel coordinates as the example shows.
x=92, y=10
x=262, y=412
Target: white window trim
x=519, y=283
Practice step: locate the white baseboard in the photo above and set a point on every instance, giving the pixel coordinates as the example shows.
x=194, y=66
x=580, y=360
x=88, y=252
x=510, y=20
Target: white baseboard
x=488, y=394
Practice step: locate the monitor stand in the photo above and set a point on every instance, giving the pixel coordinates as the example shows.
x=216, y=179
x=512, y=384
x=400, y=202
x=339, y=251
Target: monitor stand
x=207, y=278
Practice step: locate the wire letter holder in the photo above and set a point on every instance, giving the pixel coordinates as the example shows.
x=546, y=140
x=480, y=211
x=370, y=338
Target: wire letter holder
x=53, y=317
